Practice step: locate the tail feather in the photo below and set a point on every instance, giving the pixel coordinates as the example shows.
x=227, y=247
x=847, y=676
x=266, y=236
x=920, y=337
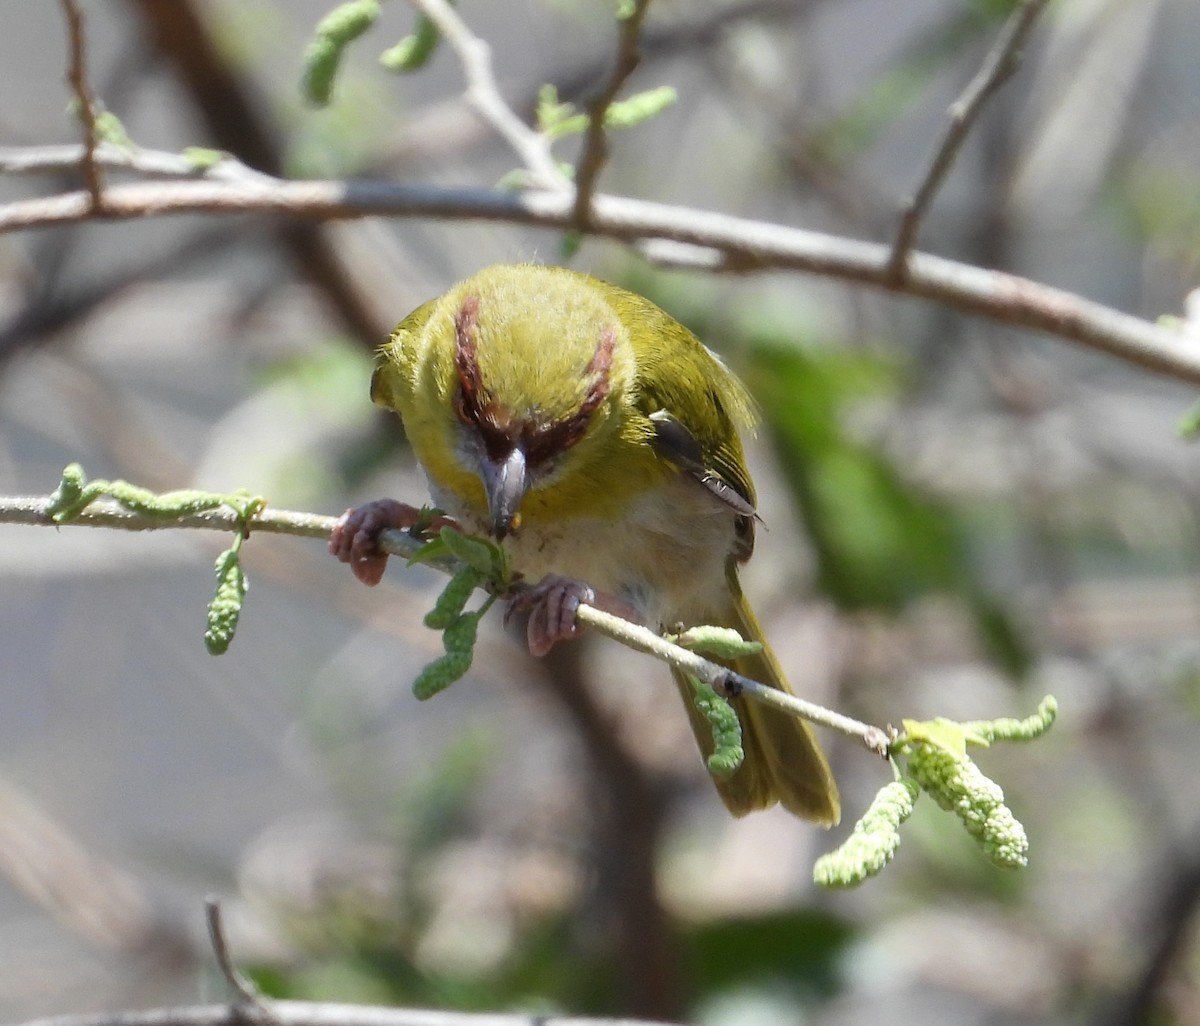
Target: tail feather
x=783, y=762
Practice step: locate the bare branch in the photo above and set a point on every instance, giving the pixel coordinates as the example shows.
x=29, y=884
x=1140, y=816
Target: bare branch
x=216, y=167
x=483, y=93
x=595, y=140
x=77, y=77
x=308, y=1013
x=747, y=245
x=1002, y=60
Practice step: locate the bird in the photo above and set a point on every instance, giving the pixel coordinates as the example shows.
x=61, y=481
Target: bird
x=598, y=440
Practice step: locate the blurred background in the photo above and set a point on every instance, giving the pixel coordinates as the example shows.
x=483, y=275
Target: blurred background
x=960, y=518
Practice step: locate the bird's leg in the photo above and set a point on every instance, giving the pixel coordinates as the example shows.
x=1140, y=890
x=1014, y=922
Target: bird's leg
x=355, y=536
x=552, y=605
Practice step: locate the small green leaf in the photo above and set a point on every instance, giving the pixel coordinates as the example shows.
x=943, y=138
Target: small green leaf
x=485, y=556
x=1189, y=424
x=942, y=733
x=109, y=129
x=640, y=107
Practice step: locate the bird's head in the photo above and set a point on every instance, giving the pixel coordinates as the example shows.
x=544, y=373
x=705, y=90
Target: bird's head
x=523, y=371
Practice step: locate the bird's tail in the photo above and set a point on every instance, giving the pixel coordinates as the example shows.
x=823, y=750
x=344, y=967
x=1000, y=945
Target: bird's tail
x=783, y=761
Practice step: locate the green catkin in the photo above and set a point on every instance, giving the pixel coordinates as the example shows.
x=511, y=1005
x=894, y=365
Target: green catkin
x=453, y=598
x=75, y=493
x=720, y=642
x=226, y=605
x=334, y=33
x=874, y=841
x=959, y=786
x=727, y=754
x=413, y=52
x=1006, y=729
x=458, y=639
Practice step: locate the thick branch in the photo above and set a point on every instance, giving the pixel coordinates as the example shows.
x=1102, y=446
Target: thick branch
x=745, y=245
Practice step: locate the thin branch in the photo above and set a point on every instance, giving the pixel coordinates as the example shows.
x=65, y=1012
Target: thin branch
x=726, y=681
x=309, y=1013
x=33, y=511
x=248, y=997
x=77, y=77
x=37, y=160
x=1001, y=62
x=743, y=244
x=483, y=93
x=595, y=141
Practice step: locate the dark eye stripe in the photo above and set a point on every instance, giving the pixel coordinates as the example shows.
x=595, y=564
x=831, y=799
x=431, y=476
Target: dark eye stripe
x=497, y=429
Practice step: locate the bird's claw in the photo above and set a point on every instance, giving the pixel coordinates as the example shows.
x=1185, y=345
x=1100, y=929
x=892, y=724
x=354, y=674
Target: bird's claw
x=552, y=605
x=355, y=536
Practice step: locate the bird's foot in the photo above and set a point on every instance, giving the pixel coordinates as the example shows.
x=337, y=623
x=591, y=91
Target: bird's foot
x=553, y=604
x=355, y=536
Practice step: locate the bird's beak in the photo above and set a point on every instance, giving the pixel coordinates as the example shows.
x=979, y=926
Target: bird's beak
x=506, y=481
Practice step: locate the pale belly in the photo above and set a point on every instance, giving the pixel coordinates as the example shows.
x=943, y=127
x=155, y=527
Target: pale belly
x=665, y=557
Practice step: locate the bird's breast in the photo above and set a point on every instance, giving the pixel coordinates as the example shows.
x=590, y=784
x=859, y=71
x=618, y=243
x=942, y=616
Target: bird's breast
x=664, y=552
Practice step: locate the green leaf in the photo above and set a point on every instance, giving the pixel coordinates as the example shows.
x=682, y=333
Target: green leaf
x=485, y=556
x=943, y=733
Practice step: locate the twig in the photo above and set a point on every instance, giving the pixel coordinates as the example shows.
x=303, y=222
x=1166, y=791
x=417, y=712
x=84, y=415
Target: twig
x=483, y=93
x=1004, y=298
x=595, y=141
x=33, y=510
x=34, y=160
x=1002, y=60
x=727, y=682
x=247, y=994
x=77, y=77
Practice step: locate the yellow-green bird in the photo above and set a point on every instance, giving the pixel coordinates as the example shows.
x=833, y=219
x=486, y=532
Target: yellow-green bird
x=598, y=438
